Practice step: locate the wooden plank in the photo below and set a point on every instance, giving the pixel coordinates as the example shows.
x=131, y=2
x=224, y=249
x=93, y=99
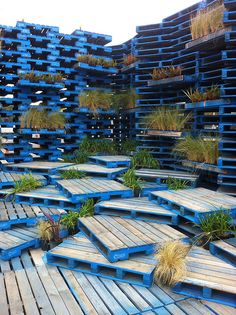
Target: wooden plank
x=3, y=297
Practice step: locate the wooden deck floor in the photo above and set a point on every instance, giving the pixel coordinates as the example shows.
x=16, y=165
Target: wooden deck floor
x=29, y=287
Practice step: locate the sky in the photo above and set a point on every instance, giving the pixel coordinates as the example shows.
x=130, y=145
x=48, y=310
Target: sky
x=117, y=18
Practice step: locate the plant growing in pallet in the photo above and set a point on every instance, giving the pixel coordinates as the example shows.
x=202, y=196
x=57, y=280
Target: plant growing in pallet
x=132, y=181
x=26, y=183
x=128, y=146
x=215, y=226
x=198, y=149
x=208, y=20
x=70, y=221
x=48, y=78
x=212, y=93
x=167, y=72
x=77, y=157
x=97, y=146
x=144, y=159
x=124, y=99
x=72, y=173
x=171, y=265
x=176, y=183
x=92, y=61
x=165, y=119
x=87, y=209
x=94, y=100
x=129, y=59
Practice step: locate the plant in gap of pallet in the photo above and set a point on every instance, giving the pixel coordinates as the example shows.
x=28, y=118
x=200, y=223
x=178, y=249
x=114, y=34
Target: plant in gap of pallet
x=171, y=267
x=216, y=225
x=165, y=119
x=198, y=149
x=132, y=181
x=124, y=99
x=212, y=93
x=167, y=72
x=176, y=183
x=128, y=146
x=208, y=20
x=77, y=157
x=72, y=173
x=26, y=183
x=70, y=221
x=97, y=146
x=92, y=61
x=129, y=59
x=144, y=159
x=94, y=100
x=87, y=209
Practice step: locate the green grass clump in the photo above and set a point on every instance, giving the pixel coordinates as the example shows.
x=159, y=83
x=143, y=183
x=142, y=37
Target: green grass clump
x=87, y=209
x=212, y=93
x=198, y=149
x=97, y=146
x=72, y=173
x=176, y=183
x=77, y=157
x=95, y=99
x=26, y=183
x=70, y=220
x=128, y=146
x=130, y=179
x=144, y=159
x=165, y=119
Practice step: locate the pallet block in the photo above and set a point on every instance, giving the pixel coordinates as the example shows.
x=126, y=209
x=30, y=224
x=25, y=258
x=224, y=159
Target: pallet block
x=225, y=250
x=138, y=209
x=118, y=238
x=79, y=254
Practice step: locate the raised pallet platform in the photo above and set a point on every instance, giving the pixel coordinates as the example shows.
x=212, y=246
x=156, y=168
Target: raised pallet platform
x=47, y=196
x=98, y=170
x=78, y=190
x=160, y=176
x=138, y=209
x=118, y=238
x=209, y=278
x=194, y=204
x=13, y=241
x=147, y=187
x=225, y=249
x=111, y=161
x=12, y=213
x=8, y=179
x=39, y=167
x=79, y=254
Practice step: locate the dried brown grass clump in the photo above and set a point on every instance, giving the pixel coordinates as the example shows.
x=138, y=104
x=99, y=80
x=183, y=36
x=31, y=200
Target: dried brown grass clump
x=208, y=20
x=171, y=262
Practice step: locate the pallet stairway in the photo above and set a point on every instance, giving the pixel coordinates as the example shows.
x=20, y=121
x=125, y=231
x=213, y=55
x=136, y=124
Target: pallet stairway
x=138, y=209
x=225, y=249
x=194, y=204
x=111, y=161
x=12, y=213
x=8, y=179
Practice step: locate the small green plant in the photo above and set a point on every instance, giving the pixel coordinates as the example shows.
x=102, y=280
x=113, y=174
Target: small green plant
x=165, y=119
x=97, y=146
x=198, y=149
x=176, y=183
x=124, y=99
x=72, y=173
x=92, y=61
x=26, y=183
x=144, y=159
x=77, y=157
x=168, y=72
x=48, y=78
x=95, y=99
x=131, y=180
x=210, y=94
x=70, y=221
x=50, y=229
x=128, y=146
x=215, y=225
x=87, y=209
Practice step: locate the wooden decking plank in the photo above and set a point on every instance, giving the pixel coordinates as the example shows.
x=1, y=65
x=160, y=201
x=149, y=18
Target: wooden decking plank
x=13, y=294
x=219, y=308
x=188, y=308
x=3, y=297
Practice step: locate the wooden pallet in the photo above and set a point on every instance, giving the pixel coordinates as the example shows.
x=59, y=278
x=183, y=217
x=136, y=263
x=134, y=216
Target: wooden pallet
x=117, y=238
x=225, y=249
x=138, y=209
x=8, y=179
x=78, y=190
x=194, y=204
x=80, y=254
x=13, y=241
x=148, y=187
x=111, y=161
x=98, y=170
x=209, y=278
x=12, y=213
x=39, y=167
x=47, y=196
x=160, y=176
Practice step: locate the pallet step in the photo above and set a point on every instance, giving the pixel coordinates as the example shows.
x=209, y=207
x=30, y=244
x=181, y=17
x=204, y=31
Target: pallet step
x=111, y=161
x=20, y=214
x=13, y=241
x=118, y=238
x=138, y=209
x=78, y=190
x=208, y=277
x=8, y=179
x=194, y=204
x=79, y=254
x=225, y=250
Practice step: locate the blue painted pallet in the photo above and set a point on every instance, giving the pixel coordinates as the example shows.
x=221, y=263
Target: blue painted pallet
x=194, y=204
x=9, y=179
x=111, y=161
x=78, y=190
x=208, y=278
x=79, y=254
x=47, y=196
x=138, y=209
x=14, y=241
x=147, y=187
x=225, y=249
x=12, y=213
